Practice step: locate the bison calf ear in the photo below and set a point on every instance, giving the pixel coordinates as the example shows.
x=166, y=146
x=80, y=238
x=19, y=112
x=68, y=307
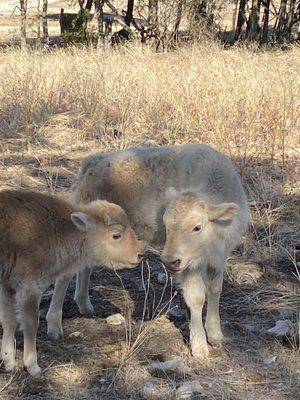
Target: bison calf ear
x=222, y=212
x=81, y=221
x=170, y=193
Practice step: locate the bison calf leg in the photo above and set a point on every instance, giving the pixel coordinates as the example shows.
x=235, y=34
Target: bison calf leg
x=82, y=292
x=54, y=314
x=28, y=302
x=194, y=295
x=9, y=325
x=214, y=283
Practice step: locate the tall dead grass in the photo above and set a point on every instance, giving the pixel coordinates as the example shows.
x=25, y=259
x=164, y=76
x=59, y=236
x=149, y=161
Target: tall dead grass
x=245, y=103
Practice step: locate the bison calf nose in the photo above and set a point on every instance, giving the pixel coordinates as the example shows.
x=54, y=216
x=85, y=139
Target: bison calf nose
x=140, y=256
x=172, y=265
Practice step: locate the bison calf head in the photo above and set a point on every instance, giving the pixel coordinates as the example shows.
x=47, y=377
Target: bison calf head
x=109, y=236
x=193, y=228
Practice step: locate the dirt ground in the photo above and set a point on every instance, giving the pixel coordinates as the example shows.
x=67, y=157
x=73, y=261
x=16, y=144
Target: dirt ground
x=96, y=360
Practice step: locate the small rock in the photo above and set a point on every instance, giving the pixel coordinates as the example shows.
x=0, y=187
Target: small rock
x=175, y=364
x=151, y=391
x=187, y=390
x=282, y=328
x=76, y=334
x=115, y=319
x=162, y=277
x=170, y=365
x=184, y=393
x=269, y=360
x=249, y=327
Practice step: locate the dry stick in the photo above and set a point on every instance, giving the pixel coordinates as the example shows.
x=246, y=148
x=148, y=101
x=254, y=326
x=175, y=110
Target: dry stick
x=146, y=293
x=9, y=381
x=127, y=334
x=142, y=334
x=135, y=347
x=50, y=366
x=140, y=340
x=163, y=292
x=153, y=291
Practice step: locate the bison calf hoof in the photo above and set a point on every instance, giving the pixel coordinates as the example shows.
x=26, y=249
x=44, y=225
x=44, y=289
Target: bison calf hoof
x=10, y=365
x=55, y=333
x=217, y=343
x=55, y=330
x=215, y=339
x=34, y=370
x=199, y=350
x=54, y=324
x=85, y=307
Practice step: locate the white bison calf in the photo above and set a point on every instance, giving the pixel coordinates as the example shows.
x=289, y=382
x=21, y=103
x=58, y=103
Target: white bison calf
x=190, y=198
x=43, y=238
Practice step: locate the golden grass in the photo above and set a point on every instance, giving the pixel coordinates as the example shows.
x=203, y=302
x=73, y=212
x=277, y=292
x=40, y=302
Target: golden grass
x=245, y=103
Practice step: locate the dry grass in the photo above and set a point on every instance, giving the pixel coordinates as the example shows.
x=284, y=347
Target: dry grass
x=57, y=107
x=244, y=102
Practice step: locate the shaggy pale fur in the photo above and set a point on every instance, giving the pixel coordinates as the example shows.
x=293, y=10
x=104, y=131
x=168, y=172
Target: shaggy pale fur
x=190, y=198
x=43, y=238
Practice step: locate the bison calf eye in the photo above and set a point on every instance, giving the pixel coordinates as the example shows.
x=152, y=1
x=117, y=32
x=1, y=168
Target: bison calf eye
x=117, y=236
x=197, y=228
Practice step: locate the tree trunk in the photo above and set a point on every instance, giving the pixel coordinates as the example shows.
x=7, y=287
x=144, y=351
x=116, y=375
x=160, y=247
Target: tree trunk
x=23, y=8
x=89, y=4
x=234, y=15
x=45, y=22
x=265, y=28
x=296, y=23
x=99, y=16
x=281, y=21
x=153, y=14
x=254, y=21
x=180, y=5
x=129, y=12
x=241, y=19
x=290, y=19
